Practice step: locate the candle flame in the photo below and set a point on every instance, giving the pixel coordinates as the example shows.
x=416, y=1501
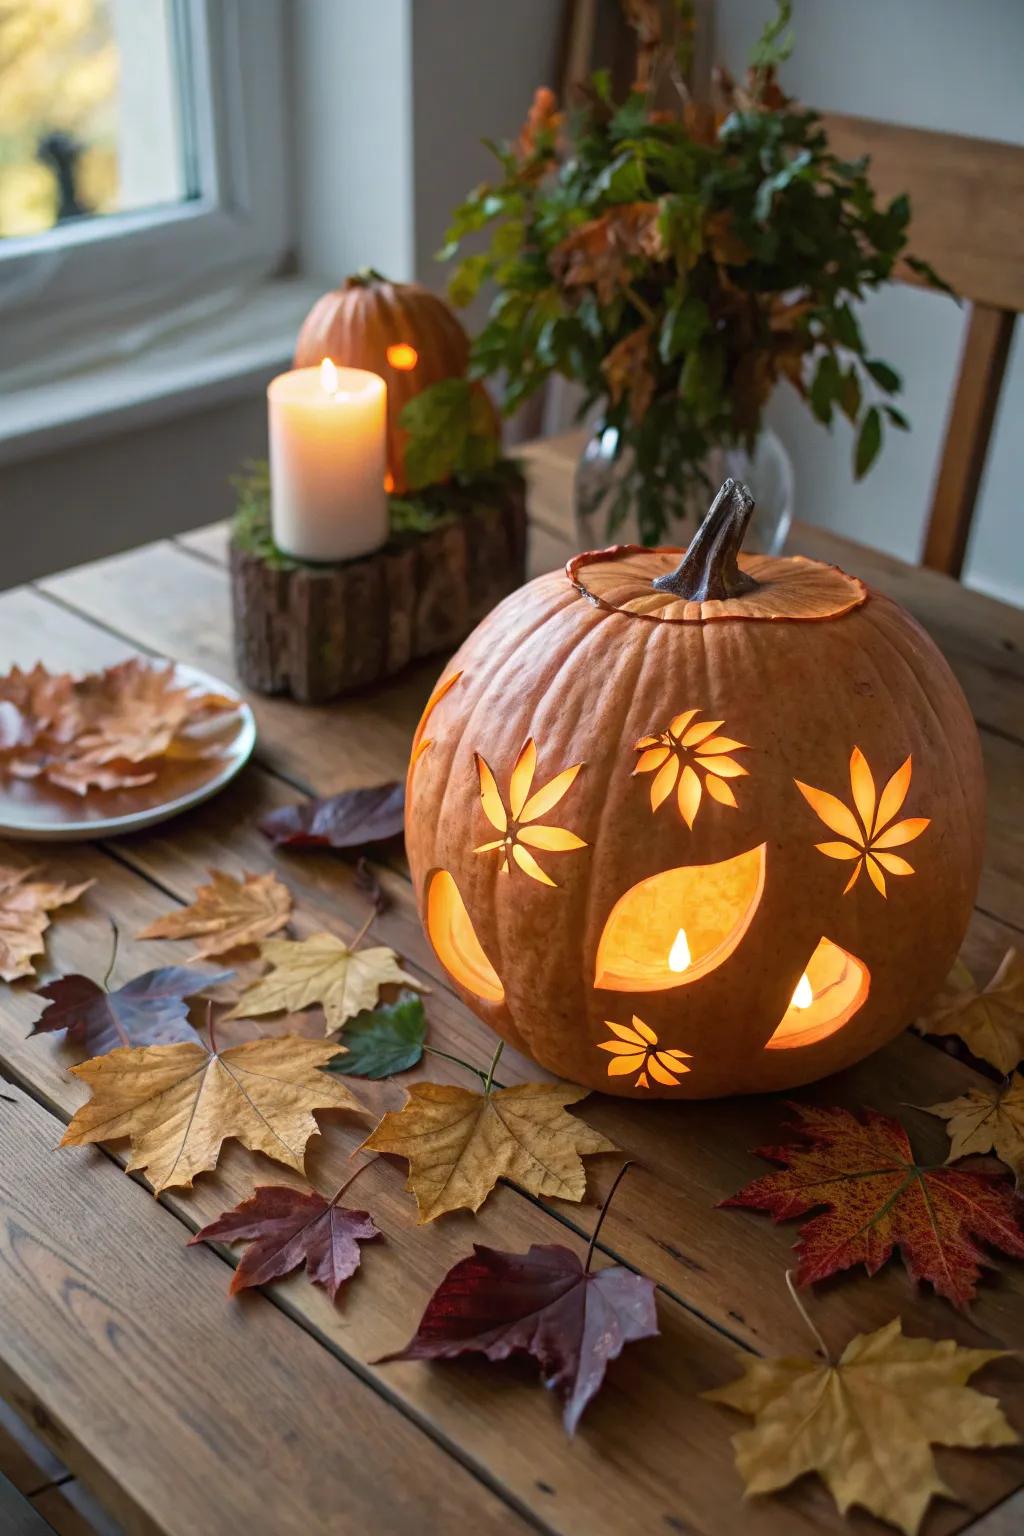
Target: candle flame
x=328, y=377
x=679, y=954
x=803, y=997
x=402, y=356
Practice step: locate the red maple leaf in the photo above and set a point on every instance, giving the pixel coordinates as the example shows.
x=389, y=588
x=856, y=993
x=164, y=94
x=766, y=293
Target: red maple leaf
x=544, y=1303
x=288, y=1227
x=149, y=1010
x=878, y=1198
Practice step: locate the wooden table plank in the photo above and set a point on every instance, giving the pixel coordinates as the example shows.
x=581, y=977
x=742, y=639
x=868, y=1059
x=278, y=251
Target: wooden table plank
x=114, y=1315
x=628, y=1465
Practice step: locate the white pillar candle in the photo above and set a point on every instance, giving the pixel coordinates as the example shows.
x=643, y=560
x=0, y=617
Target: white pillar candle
x=328, y=462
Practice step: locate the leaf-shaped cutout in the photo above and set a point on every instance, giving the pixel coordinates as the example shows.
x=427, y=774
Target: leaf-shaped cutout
x=838, y=850
x=552, y=839
x=689, y=795
x=902, y=832
x=455, y=942
x=875, y=875
x=548, y=797
x=893, y=864
x=863, y=786
x=664, y=782
x=700, y=732
x=652, y=758
x=725, y=767
x=831, y=811
x=677, y=725
x=494, y=810
x=719, y=744
x=719, y=790
x=529, y=866
x=522, y=778
x=893, y=795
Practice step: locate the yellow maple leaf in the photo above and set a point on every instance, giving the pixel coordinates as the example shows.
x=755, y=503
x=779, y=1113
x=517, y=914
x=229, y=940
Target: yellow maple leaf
x=321, y=969
x=25, y=907
x=990, y=1022
x=989, y=1119
x=458, y=1143
x=227, y=914
x=865, y=1424
x=179, y=1103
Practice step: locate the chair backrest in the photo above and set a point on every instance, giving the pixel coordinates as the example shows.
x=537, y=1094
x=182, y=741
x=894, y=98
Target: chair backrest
x=967, y=220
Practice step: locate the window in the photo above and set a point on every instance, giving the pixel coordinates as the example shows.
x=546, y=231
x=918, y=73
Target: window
x=141, y=169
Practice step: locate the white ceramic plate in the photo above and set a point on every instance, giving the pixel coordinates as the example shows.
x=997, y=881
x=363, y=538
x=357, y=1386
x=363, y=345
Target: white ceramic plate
x=37, y=812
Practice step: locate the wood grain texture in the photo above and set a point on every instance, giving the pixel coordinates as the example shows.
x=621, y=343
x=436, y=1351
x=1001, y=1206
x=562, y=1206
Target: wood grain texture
x=966, y=197
x=182, y=1413
x=972, y=414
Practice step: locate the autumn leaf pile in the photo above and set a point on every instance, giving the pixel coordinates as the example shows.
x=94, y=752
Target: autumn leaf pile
x=107, y=730
x=865, y=1420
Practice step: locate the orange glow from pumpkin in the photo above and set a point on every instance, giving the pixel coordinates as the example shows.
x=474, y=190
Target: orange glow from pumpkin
x=456, y=945
x=328, y=377
x=389, y=482
x=403, y=357
x=831, y=990
x=645, y=946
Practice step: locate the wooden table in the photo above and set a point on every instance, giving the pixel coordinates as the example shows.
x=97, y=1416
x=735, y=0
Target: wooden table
x=189, y=1413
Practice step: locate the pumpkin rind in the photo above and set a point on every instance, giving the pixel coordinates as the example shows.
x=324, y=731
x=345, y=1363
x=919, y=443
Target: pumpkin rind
x=591, y=684
x=359, y=322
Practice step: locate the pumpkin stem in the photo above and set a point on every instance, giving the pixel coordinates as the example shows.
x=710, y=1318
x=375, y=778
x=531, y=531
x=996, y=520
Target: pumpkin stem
x=364, y=277
x=708, y=571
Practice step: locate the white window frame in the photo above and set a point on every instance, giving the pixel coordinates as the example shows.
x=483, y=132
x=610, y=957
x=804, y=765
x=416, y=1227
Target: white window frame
x=100, y=288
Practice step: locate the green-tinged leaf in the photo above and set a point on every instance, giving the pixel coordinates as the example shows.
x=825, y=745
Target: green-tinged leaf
x=450, y=432
x=897, y=418
x=850, y=396
x=869, y=441
x=826, y=387
x=775, y=44
x=464, y=283
x=682, y=328
x=885, y=377
x=384, y=1040
x=928, y=274
x=847, y=331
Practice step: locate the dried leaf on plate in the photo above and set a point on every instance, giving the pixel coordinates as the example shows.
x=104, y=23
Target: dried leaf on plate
x=227, y=914
x=179, y=1103
x=865, y=1424
x=989, y=1021
x=458, y=1143
x=287, y=1227
x=322, y=969
x=989, y=1119
x=25, y=907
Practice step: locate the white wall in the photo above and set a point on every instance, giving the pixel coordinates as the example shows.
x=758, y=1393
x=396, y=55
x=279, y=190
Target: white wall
x=931, y=64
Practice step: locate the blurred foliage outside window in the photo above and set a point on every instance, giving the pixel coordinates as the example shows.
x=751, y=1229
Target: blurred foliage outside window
x=90, y=110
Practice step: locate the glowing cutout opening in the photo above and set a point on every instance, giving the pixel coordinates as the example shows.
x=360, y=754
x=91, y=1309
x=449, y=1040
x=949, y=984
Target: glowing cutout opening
x=831, y=990
x=456, y=945
x=402, y=356
x=673, y=928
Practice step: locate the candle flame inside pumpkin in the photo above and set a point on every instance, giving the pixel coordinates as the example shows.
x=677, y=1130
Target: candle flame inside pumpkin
x=679, y=954
x=402, y=356
x=328, y=377
x=803, y=997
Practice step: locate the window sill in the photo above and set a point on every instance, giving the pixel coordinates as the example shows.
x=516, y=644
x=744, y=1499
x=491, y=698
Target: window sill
x=228, y=356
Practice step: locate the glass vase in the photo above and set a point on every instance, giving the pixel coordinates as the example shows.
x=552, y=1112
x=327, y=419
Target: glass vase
x=602, y=469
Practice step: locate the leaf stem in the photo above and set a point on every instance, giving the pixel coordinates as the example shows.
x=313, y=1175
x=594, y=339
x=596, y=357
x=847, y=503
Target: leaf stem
x=113, y=955
x=604, y=1211
x=435, y=1051
x=361, y=935
x=488, y=1080
x=352, y=1178
x=210, y=1029
x=807, y=1318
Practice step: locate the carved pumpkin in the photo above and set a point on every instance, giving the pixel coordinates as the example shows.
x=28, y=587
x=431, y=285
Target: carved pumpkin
x=691, y=827
x=401, y=331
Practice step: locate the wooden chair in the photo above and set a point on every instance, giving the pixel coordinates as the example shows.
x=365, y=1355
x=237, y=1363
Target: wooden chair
x=967, y=219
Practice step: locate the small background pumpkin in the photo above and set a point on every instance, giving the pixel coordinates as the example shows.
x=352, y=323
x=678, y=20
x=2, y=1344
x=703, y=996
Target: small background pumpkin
x=401, y=331
x=830, y=794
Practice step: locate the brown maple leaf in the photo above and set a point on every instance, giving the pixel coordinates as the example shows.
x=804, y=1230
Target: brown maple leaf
x=34, y=703
x=990, y=1022
x=227, y=914
x=25, y=907
x=135, y=710
x=599, y=253
x=458, y=1143
x=628, y=370
x=878, y=1199
x=322, y=969
x=864, y=1423
x=179, y=1103
x=289, y=1227
x=989, y=1119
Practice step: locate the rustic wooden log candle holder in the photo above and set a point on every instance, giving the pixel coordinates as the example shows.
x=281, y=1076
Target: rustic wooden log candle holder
x=317, y=631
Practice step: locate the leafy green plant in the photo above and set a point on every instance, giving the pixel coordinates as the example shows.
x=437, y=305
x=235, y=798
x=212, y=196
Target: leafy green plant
x=679, y=264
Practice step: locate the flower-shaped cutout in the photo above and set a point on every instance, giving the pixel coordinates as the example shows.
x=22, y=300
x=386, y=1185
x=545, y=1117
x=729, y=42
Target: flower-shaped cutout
x=515, y=821
x=680, y=755
x=872, y=832
x=636, y=1049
